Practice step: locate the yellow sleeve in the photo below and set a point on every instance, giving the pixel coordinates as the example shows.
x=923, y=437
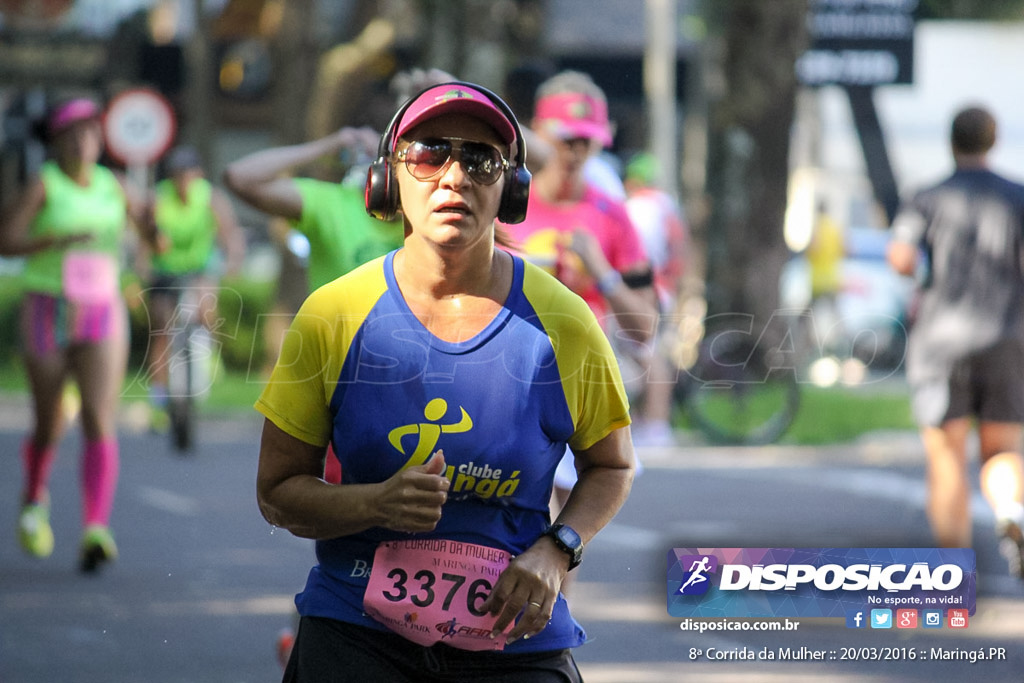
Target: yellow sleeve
x=586, y=362
x=298, y=394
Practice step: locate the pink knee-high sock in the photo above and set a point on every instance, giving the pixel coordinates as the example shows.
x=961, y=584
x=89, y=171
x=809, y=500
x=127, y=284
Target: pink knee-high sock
x=38, y=463
x=100, y=467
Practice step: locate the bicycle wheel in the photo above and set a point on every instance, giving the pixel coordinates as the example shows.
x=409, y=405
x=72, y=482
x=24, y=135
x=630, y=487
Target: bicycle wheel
x=179, y=385
x=736, y=395
x=180, y=410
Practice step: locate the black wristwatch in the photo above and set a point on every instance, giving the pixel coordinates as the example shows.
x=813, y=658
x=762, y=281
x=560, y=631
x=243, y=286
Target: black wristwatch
x=568, y=541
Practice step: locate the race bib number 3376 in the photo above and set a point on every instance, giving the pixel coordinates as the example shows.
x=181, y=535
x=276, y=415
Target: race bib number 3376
x=431, y=591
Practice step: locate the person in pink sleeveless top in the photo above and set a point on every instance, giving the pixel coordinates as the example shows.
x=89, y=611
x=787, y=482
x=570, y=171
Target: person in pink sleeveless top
x=583, y=235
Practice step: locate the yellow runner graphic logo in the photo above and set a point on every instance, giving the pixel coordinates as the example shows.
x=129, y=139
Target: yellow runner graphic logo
x=429, y=432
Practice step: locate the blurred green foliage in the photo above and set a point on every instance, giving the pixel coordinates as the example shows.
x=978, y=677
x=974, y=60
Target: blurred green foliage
x=841, y=414
x=10, y=297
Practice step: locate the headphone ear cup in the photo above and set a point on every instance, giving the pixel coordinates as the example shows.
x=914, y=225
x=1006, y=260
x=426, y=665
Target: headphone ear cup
x=380, y=197
x=515, y=197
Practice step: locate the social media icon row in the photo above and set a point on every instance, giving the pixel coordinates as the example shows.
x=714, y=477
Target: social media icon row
x=906, y=618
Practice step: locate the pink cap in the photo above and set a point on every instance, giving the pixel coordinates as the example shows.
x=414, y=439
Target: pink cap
x=456, y=98
x=71, y=112
x=574, y=115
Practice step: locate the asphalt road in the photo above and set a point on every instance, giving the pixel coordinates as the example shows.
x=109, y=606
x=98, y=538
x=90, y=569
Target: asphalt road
x=204, y=585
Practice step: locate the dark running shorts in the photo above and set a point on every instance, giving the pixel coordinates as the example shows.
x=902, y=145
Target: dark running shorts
x=165, y=284
x=988, y=385
x=331, y=651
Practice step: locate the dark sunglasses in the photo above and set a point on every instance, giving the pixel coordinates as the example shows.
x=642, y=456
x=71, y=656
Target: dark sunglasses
x=427, y=158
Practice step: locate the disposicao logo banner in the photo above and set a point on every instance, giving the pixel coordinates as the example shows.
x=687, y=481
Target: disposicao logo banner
x=817, y=582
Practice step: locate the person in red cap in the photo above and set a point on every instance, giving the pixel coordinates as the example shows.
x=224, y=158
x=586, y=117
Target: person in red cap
x=449, y=377
x=578, y=232
x=581, y=234
x=68, y=223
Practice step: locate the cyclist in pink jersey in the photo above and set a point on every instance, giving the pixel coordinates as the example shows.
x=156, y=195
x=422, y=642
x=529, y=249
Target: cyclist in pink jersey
x=68, y=224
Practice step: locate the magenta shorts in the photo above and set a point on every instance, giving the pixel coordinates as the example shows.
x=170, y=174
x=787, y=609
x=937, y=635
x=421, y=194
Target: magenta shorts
x=50, y=323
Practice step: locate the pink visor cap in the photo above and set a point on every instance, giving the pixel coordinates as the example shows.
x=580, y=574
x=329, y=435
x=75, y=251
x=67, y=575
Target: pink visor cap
x=456, y=98
x=574, y=115
x=71, y=112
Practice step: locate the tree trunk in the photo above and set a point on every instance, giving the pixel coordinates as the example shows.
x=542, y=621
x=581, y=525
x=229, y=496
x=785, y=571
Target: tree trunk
x=295, y=55
x=749, y=155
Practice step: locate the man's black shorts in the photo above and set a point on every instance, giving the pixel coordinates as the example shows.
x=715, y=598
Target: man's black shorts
x=988, y=385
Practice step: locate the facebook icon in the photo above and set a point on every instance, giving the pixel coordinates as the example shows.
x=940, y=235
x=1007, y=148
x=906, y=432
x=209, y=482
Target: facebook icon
x=855, y=619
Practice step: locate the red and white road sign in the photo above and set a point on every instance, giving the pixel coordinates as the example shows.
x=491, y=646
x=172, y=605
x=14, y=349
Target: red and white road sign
x=139, y=125
x=34, y=10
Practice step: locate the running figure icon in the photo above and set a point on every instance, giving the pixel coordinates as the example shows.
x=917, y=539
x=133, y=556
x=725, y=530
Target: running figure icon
x=429, y=432
x=696, y=570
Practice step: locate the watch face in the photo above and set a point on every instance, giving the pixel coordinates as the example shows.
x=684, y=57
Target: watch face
x=569, y=537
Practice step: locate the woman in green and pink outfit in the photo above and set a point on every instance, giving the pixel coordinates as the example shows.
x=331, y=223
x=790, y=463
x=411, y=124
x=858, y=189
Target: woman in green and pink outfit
x=68, y=223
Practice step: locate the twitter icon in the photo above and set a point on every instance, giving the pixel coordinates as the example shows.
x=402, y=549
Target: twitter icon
x=881, y=618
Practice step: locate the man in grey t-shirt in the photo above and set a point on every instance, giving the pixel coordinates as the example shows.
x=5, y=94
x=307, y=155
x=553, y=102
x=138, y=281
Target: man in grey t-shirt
x=965, y=358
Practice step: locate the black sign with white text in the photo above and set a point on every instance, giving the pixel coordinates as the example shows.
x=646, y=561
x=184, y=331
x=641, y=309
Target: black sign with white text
x=859, y=42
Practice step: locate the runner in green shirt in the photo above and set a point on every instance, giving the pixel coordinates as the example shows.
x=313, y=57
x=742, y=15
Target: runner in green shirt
x=193, y=218
x=332, y=216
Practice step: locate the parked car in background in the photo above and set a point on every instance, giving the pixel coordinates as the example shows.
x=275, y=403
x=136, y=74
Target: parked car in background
x=869, y=319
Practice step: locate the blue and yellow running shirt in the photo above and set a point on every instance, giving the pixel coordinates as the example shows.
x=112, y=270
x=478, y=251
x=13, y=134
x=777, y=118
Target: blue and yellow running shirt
x=358, y=369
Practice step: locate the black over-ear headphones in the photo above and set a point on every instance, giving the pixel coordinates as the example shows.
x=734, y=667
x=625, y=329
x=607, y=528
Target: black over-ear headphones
x=381, y=195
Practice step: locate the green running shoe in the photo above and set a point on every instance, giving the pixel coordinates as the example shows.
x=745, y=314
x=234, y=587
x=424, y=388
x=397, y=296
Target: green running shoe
x=34, y=530
x=97, y=547
x=159, y=420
